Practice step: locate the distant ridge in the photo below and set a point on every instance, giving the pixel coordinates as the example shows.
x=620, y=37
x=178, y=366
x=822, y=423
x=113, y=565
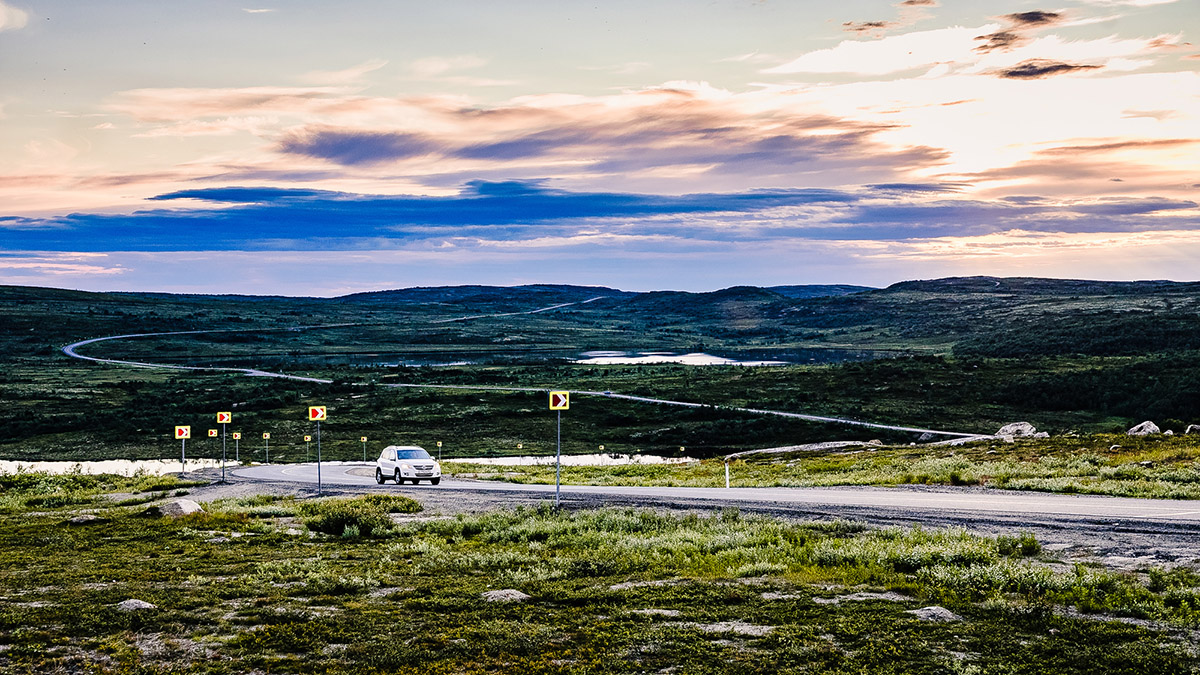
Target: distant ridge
x=1042, y=286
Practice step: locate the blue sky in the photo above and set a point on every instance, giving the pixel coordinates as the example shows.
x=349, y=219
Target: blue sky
x=312, y=148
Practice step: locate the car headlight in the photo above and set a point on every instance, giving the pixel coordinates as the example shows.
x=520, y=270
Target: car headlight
x=406, y=467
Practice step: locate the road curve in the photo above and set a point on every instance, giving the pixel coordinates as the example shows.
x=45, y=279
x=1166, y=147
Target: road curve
x=985, y=502
x=72, y=350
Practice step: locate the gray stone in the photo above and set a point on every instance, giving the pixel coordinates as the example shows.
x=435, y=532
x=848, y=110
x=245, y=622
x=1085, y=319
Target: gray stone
x=934, y=613
x=1143, y=429
x=505, y=595
x=175, y=508
x=1168, y=432
x=86, y=519
x=1017, y=429
x=1042, y=434
x=134, y=605
x=1193, y=429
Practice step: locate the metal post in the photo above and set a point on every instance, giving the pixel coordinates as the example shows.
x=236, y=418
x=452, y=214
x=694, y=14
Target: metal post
x=727, y=473
x=266, y=451
x=307, y=451
x=223, y=426
x=182, y=456
x=318, y=458
x=237, y=455
x=558, y=461
x=364, y=452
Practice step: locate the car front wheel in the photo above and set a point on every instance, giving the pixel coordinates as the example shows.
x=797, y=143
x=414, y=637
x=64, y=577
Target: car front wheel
x=435, y=481
x=399, y=480
x=378, y=476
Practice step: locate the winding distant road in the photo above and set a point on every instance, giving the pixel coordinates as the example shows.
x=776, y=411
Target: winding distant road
x=72, y=350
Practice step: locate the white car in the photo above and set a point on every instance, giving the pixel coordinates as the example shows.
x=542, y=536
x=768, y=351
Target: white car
x=406, y=462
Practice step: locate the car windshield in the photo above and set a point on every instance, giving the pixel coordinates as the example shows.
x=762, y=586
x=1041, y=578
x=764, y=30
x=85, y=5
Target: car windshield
x=415, y=453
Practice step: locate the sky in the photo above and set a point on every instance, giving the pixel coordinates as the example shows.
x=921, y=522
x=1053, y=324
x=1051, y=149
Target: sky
x=318, y=148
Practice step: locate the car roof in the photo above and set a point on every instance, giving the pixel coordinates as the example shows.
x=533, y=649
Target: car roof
x=404, y=447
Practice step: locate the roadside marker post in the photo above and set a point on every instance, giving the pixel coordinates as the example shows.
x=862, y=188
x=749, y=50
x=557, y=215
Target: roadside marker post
x=726, y=473
x=223, y=418
x=266, y=447
x=439, y=452
x=237, y=441
x=559, y=401
x=183, y=433
x=307, y=448
x=364, y=442
x=318, y=414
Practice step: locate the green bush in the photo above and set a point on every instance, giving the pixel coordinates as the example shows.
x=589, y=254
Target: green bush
x=368, y=516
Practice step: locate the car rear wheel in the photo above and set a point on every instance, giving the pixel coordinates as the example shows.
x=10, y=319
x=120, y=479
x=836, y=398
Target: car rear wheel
x=378, y=476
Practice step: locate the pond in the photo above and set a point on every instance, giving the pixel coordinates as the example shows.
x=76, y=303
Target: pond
x=603, y=459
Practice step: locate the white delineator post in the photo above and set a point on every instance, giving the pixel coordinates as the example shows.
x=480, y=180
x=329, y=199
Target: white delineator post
x=726, y=473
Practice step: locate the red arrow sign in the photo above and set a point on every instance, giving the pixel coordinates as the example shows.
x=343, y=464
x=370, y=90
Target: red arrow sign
x=224, y=417
x=183, y=432
x=316, y=413
x=560, y=400
x=212, y=433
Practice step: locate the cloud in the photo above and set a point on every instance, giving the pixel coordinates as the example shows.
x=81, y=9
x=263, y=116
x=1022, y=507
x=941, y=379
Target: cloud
x=1018, y=24
x=957, y=50
x=356, y=147
x=12, y=18
x=530, y=214
x=911, y=11
x=258, y=11
x=345, y=76
x=1039, y=68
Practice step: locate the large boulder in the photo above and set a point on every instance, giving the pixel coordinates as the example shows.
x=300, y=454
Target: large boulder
x=134, y=605
x=1017, y=429
x=1144, y=429
x=505, y=595
x=935, y=613
x=174, y=508
x=1193, y=429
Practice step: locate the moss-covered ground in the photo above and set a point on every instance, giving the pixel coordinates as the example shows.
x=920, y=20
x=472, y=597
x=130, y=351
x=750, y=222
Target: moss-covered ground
x=281, y=585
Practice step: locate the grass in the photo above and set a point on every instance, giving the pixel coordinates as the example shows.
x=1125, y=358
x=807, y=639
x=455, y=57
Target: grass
x=1155, y=466
x=239, y=588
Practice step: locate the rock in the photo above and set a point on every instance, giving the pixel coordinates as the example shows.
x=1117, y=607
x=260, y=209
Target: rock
x=926, y=437
x=1143, y=429
x=134, y=605
x=175, y=508
x=1017, y=429
x=1168, y=432
x=1042, y=434
x=1193, y=429
x=86, y=519
x=505, y=595
x=935, y=613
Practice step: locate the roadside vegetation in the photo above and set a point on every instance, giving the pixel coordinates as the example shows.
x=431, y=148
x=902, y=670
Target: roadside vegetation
x=270, y=584
x=1156, y=466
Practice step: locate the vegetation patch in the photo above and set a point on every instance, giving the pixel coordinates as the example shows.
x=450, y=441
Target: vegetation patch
x=610, y=591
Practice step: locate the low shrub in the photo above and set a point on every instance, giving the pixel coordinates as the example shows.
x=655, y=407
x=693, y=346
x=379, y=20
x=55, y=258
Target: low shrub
x=368, y=516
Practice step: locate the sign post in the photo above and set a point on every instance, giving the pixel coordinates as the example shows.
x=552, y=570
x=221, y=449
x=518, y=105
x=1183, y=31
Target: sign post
x=266, y=447
x=223, y=418
x=318, y=414
x=439, y=452
x=559, y=401
x=237, y=441
x=364, y=442
x=307, y=448
x=183, y=433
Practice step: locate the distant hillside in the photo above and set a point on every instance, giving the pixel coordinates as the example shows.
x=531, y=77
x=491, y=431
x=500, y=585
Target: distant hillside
x=1038, y=286
x=548, y=293
x=817, y=290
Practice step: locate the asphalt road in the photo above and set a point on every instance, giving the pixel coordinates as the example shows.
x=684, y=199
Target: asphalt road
x=918, y=504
